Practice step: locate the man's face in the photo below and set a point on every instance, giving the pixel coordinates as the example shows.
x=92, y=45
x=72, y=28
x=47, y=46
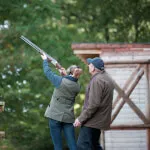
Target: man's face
x=91, y=68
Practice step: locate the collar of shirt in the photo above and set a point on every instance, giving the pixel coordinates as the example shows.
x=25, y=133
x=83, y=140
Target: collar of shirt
x=71, y=78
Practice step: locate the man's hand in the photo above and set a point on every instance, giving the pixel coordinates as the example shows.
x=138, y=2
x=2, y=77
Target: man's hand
x=77, y=123
x=44, y=57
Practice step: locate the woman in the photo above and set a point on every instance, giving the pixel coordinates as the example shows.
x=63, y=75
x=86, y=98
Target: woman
x=60, y=111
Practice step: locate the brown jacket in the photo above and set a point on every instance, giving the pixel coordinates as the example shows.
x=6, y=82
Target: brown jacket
x=97, y=108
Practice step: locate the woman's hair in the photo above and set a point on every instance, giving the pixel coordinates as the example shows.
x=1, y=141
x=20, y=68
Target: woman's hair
x=71, y=68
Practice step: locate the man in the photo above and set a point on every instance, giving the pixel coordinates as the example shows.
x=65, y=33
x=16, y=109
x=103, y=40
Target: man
x=96, y=113
x=60, y=111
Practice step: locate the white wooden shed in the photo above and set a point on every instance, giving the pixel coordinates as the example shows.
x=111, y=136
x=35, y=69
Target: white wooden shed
x=129, y=66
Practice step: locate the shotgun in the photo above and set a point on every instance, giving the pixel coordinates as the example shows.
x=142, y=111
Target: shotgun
x=39, y=50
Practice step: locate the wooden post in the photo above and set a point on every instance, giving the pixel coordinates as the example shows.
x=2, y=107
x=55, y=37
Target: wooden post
x=2, y=105
x=147, y=72
x=148, y=139
x=102, y=139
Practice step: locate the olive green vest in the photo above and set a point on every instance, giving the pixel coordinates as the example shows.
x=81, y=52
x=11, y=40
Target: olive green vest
x=61, y=107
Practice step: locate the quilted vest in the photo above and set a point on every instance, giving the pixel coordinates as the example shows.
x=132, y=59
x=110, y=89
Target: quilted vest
x=61, y=107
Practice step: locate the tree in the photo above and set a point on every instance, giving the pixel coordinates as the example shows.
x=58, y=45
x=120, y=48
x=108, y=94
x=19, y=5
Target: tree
x=53, y=26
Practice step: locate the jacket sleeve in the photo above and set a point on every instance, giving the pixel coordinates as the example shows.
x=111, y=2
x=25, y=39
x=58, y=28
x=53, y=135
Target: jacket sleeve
x=94, y=101
x=55, y=79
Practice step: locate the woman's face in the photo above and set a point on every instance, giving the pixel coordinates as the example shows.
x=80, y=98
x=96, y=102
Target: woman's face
x=77, y=72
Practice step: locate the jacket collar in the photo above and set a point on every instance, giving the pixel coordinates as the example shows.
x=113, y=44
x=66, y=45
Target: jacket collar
x=101, y=72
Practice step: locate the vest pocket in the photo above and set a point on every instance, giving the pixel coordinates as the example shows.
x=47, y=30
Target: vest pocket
x=64, y=101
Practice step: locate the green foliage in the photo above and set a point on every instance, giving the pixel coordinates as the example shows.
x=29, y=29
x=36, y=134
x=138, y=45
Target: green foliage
x=54, y=26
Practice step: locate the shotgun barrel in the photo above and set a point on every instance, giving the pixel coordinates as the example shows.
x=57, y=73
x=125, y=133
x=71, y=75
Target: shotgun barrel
x=51, y=59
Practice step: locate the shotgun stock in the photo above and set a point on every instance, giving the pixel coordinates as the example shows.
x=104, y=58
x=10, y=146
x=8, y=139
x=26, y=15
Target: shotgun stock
x=39, y=50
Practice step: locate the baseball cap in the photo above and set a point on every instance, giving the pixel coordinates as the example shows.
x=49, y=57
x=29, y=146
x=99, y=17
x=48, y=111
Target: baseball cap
x=97, y=62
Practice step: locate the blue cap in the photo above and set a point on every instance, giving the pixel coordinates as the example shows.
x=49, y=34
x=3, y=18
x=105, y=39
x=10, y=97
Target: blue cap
x=97, y=62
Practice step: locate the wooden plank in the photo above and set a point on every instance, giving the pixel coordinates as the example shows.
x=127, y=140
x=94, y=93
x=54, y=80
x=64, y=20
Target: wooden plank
x=83, y=57
x=130, y=127
x=87, y=52
x=137, y=111
x=125, y=53
x=127, y=62
x=130, y=79
x=148, y=138
x=120, y=66
x=128, y=100
x=106, y=46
